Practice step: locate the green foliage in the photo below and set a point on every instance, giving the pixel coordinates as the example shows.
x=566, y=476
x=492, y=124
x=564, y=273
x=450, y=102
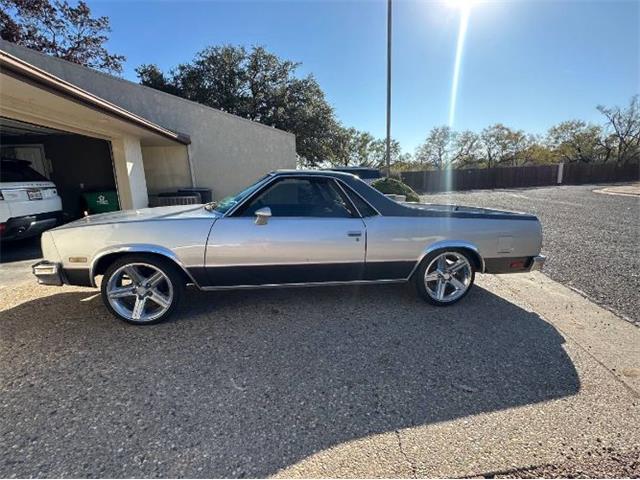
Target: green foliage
x=257, y=85
x=59, y=29
x=391, y=185
x=571, y=141
x=576, y=140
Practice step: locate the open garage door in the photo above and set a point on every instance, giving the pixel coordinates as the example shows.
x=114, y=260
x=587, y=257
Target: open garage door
x=81, y=167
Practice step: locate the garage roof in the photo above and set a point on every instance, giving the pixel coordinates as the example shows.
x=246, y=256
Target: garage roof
x=25, y=71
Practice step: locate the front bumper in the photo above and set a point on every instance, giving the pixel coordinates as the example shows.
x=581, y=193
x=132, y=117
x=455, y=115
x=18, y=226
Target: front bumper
x=537, y=263
x=48, y=273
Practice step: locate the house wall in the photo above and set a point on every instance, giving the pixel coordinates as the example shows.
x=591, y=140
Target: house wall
x=166, y=168
x=227, y=152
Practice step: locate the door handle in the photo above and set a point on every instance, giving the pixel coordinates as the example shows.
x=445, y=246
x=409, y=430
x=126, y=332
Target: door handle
x=354, y=234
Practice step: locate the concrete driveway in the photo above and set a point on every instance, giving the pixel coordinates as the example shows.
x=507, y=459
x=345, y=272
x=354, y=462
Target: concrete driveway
x=370, y=382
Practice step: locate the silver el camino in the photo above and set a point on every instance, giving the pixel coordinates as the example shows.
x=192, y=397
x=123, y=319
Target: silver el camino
x=290, y=228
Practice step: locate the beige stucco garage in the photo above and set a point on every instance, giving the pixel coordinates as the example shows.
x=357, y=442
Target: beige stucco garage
x=156, y=142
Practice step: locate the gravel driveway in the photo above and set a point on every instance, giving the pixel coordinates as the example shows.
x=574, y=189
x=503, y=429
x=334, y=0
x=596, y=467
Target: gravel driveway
x=592, y=240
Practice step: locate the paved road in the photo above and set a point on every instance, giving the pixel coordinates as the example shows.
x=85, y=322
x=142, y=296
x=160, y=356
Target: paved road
x=592, y=240
x=365, y=382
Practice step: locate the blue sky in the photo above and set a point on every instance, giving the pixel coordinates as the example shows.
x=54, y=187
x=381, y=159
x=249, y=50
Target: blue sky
x=527, y=63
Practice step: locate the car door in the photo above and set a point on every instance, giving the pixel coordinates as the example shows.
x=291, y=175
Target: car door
x=313, y=234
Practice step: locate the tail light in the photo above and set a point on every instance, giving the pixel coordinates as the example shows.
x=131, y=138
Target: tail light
x=3, y=227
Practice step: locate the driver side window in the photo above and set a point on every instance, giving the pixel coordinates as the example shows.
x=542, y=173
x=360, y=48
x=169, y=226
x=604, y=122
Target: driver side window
x=301, y=197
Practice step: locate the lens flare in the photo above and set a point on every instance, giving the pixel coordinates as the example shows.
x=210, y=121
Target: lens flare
x=465, y=12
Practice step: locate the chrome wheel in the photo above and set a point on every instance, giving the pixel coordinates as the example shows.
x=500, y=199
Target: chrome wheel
x=448, y=276
x=140, y=292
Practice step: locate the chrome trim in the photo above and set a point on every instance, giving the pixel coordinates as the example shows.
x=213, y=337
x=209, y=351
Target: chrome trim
x=305, y=284
x=138, y=248
x=444, y=244
x=537, y=263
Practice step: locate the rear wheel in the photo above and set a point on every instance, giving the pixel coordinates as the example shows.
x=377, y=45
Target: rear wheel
x=445, y=277
x=141, y=289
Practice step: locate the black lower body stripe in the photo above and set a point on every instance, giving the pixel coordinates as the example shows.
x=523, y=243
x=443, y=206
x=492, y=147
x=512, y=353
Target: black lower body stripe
x=299, y=273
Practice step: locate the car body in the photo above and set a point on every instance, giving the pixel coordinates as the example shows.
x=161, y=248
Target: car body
x=29, y=202
x=290, y=228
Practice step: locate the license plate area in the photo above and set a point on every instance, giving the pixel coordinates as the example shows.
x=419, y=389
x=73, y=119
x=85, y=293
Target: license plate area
x=34, y=194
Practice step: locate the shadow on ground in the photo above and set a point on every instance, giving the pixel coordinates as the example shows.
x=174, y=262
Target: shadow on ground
x=247, y=383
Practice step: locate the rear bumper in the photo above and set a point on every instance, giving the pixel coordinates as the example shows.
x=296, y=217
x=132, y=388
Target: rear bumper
x=537, y=263
x=30, y=225
x=514, y=264
x=48, y=273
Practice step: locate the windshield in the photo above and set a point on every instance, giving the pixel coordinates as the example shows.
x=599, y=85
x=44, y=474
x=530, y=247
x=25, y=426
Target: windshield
x=227, y=203
x=19, y=171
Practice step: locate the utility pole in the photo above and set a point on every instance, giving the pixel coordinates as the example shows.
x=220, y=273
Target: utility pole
x=388, y=146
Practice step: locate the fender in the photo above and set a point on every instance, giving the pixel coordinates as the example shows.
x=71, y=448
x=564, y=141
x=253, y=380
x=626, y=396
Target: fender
x=443, y=244
x=137, y=248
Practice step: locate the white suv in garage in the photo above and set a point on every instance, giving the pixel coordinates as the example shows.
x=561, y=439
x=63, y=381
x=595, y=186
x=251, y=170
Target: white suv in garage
x=29, y=202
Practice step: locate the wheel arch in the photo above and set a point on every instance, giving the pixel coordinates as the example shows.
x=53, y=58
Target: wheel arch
x=475, y=255
x=104, y=258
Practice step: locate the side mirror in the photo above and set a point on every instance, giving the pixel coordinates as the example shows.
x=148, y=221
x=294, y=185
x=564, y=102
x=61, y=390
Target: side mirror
x=262, y=215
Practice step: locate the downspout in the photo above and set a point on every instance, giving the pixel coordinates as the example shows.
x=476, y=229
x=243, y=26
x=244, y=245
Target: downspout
x=191, y=170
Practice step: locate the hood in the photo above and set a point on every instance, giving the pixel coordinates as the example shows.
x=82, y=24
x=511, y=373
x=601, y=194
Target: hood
x=143, y=214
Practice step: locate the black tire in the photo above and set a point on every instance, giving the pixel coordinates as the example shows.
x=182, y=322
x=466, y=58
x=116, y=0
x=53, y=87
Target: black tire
x=419, y=276
x=173, y=275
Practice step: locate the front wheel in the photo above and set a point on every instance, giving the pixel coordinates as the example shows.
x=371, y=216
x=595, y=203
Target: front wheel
x=141, y=289
x=445, y=277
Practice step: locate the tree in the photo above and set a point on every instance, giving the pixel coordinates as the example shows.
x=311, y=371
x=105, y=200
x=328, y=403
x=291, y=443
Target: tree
x=502, y=145
x=538, y=152
x=465, y=149
x=59, y=29
x=623, y=130
x=576, y=141
x=258, y=85
x=436, y=149
x=349, y=147
x=378, y=155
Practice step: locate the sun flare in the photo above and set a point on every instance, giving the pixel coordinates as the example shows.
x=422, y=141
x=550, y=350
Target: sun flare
x=461, y=4
x=462, y=34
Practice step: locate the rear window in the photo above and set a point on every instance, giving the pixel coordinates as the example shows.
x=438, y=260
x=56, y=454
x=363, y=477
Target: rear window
x=19, y=172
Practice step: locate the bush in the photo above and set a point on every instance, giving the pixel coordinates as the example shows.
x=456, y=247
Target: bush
x=391, y=185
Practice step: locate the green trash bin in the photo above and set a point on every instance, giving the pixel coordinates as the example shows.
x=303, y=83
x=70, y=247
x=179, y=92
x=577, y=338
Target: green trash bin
x=101, y=202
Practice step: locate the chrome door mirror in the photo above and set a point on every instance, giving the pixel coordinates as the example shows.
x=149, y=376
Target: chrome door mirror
x=262, y=215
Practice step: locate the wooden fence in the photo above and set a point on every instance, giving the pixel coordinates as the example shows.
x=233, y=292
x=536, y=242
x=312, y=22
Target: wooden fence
x=431, y=181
